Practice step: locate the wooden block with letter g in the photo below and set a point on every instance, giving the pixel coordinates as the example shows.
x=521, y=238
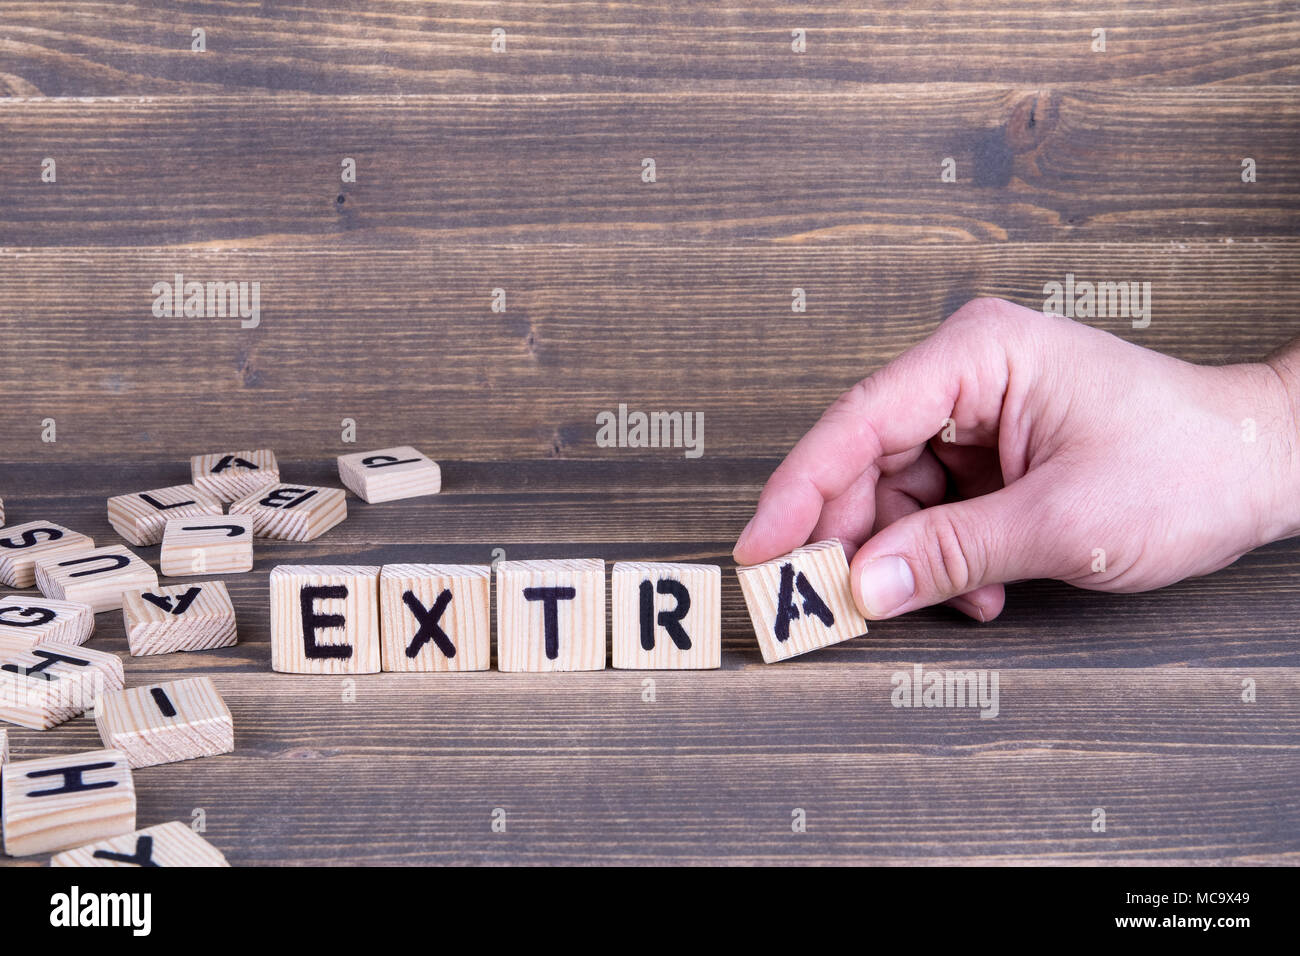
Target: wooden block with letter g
x=183, y=617
x=167, y=845
x=325, y=619
x=551, y=615
x=164, y=723
x=801, y=601
x=229, y=476
x=40, y=620
x=60, y=802
x=293, y=512
x=666, y=616
x=435, y=617
x=96, y=577
x=23, y=544
x=215, y=545
x=389, y=474
x=141, y=517
x=44, y=685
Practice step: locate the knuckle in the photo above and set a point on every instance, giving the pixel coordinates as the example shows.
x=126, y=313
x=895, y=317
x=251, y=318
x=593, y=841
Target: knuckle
x=953, y=555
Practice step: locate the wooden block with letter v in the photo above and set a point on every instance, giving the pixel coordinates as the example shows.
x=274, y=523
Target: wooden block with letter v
x=141, y=517
x=40, y=620
x=166, y=845
x=325, y=619
x=390, y=474
x=666, y=616
x=229, y=476
x=216, y=545
x=801, y=601
x=183, y=617
x=56, y=803
x=164, y=723
x=293, y=512
x=435, y=617
x=551, y=615
x=96, y=577
x=22, y=544
x=44, y=685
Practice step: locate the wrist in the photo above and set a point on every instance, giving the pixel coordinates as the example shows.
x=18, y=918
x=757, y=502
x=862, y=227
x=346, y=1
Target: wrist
x=1283, y=449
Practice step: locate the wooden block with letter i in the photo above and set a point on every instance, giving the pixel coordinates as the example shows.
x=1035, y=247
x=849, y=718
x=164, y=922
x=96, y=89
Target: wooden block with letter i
x=216, y=545
x=96, y=577
x=164, y=723
x=166, y=845
x=183, y=617
x=229, y=476
x=44, y=685
x=141, y=517
x=390, y=474
x=666, y=616
x=551, y=615
x=23, y=544
x=40, y=620
x=801, y=601
x=435, y=617
x=56, y=803
x=293, y=512
x=325, y=619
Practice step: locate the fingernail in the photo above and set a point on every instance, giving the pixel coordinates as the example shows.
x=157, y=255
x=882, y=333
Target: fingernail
x=886, y=585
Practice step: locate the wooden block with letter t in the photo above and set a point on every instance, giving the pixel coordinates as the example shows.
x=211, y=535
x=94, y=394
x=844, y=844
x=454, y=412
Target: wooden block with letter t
x=325, y=619
x=551, y=615
x=164, y=723
x=170, y=844
x=22, y=544
x=60, y=802
x=666, y=616
x=44, y=685
x=40, y=620
x=435, y=617
x=293, y=512
x=215, y=545
x=389, y=474
x=183, y=617
x=801, y=601
x=229, y=476
x=96, y=577
x=141, y=517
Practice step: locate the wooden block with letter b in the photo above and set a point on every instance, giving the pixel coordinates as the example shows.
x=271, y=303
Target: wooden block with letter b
x=183, y=617
x=229, y=476
x=40, y=620
x=166, y=845
x=325, y=619
x=666, y=616
x=801, y=601
x=435, y=617
x=96, y=577
x=389, y=474
x=163, y=723
x=60, y=802
x=22, y=544
x=215, y=545
x=44, y=685
x=293, y=512
x=551, y=615
x=141, y=517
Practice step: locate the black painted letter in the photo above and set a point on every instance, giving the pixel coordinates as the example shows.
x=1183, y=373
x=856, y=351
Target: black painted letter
x=312, y=622
x=550, y=598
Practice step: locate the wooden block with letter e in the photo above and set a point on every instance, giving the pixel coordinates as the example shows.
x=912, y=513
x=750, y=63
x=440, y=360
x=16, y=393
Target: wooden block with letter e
x=56, y=803
x=801, y=601
x=325, y=619
x=96, y=577
x=44, y=685
x=164, y=723
x=435, y=617
x=666, y=616
x=389, y=474
x=22, y=544
x=39, y=620
x=229, y=476
x=551, y=615
x=293, y=512
x=216, y=545
x=170, y=844
x=183, y=617
x=141, y=517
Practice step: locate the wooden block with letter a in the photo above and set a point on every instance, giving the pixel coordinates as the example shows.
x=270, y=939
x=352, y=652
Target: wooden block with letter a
x=666, y=616
x=801, y=601
x=141, y=517
x=215, y=545
x=23, y=544
x=435, y=617
x=389, y=474
x=164, y=723
x=229, y=476
x=40, y=620
x=293, y=512
x=167, y=845
x=325, y=619
x=551, y=615
x=96, y=577
x=60, y=802
x=183, y=617
x=41, y=686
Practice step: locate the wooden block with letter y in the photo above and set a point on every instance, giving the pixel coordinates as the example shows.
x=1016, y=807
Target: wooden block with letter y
x=293, y=512
x=164, y=723
x=435, y=617
x=325, y=619
x=390, y=474
x=96, y=577
x=44, y=685
x=215, y=545
x=170, y=844
x=141, y=517
x=666, y=616
x=60, y=802
x=229, y=476
x=551, y=615
x=183, y=617
x=40, y=620
x=23, y=544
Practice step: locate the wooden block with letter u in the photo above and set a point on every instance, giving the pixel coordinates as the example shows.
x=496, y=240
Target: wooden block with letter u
x=40, y=620
x=184, y=617
x=215, y=545
x=325, y=619
x=164, y=723
x=170, y=844
x=56, y=803
x=23, y=544
x=44, y=685
x=666, y=616
x=96, y=577
x=390, y=474
x=435, y=617
x=551, y=615
x=229, y=476
x=293, y=512
x=141, y=517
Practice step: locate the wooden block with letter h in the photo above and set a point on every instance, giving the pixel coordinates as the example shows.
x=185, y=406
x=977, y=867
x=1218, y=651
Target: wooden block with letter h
x=390, y=474
x=164, y=723
x=141, y=517
x=96, y=577
x=216, y=545
x=435, y=617
x=40, y=620
x=667, y=616
x=24, y=544
x=325, y=619
x=43, y=685
x=229, y=476
x=293, y=512
x=183, y=617
x=166, y=845
x=56, y=803
x=801, y=601
x=551, y=615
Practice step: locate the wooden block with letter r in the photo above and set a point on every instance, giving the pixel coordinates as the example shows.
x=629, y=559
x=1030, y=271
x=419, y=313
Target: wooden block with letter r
x=96, y=577
x=170, y=844
x=229, y=476
x=60, y=802
x=22, y=544
x=141, y=517
x=801, y=601
x=164, y=723
x=325, y=619
x=293, y=512
x=551, y=615
x=40, y=620
x=390, y=474
x=44, y=685
x=666, y=616
x=435, y=617
x=215, y=545
x=183, y=617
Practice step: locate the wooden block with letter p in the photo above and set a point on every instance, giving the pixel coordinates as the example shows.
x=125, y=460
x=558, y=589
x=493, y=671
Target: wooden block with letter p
x=666, y=616
x=435, y=617
x=44, y=685
x=551, y=615
x=389, y=474
x=215, y=545
x=96, y=577
x=166, y=845
x=141, y=517
x=40, y=620
x=183, y=617
x=229, y=476
x=60, y=802
x=293, y=512
x=325, y=619
x=23, y=544
x=164, y=723
x=801, y=601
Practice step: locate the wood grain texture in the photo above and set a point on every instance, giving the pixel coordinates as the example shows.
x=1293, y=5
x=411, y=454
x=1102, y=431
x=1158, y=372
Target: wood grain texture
x=44, y=685
x=42, y=814
x=292, y=512
x=696, y=611
x=389, y=474
x=325, y=619
x=464, y=617
x=24, y=544
x=170, y=844
x=164, y=723
x=141, y=517
x=551, y=615
x=195, y=616
x=229, y=476
x=39, y=620
x=220, y=545
x=96, y=577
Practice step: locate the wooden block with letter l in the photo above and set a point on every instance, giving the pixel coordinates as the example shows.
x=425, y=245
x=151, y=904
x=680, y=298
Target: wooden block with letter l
x=40, y=620
x=183, y=617
x=23, y=544
x=551, y=615
x=216, y=545
x=801, y=601
x=141, y=517
x=390, y=474
x=666, y=616
x=164, y=723
x=325, y=619
x=166, y=845
x=293, y=512
x=229, y=476
x=44, y=685
x=96, y=577
x=435, y=617
x=56, y=803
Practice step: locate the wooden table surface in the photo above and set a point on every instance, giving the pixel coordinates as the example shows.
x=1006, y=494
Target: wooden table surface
x=522, y=171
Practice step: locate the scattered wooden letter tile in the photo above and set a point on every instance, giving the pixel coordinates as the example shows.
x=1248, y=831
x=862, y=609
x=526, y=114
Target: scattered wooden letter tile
x=231, y=475
x=325, y=619
x=551, y=615
x=168, y=845
x=183, y=617
x=293, y=512
x=435, y=617
x=140, y=517
x=667, y=615
x=59, y=802
x=4, y=746
x=38, y=620
x=41, y=686
x=801, y=601
x=389, y=474
x=216, y=545
x=164, y=723
x=2, y=512
x=96, y=577
x=22, y=544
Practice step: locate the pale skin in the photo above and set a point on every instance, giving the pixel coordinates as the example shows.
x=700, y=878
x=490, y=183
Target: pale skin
x=1012, y=445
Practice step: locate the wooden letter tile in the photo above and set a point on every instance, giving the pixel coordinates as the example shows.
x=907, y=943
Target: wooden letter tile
x=325, y=619
x=551, y=615
x=164, y=723
x=44, y=685
x=96, y=577
x=168, y=844
x=667, y=615
x=22, y=544
x=140, y=517
x=801, y=601
x=293, y=512
x=231, y=475
x=4, y=746
x=216, y=545
x=39, y=620
x=389, y=474
x=435, y=617
x=184, y=617
x=59, y=802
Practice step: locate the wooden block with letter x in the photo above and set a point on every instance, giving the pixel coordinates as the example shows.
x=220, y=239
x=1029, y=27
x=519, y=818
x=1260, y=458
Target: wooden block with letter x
x=215, y=545
x=293, y=512
x=40, y=620
x=667, y=615
x=435, y=617
x=141, y=517
x=183, y=617
x=44, y=685
x=551, y=615
x=229, y=476
x=325, y=619
x=23, y=544
x=389, y=474
x=164, y=723
x=60, y=802
x=801, y=601
x=167, y=845
x=96, y=577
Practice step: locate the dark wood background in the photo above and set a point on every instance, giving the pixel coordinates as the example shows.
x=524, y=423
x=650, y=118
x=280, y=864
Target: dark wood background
x=522, y=171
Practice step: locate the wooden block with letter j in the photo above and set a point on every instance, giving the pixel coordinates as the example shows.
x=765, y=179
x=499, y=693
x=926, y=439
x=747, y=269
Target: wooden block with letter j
x=44, y=685
x=23, y=544
x=325, y=619
x=389, y=474
x=435, y=617
x=170, y=844
x=141, y=517
x=163, y=723
x=293, y=512
x=801, y=601
x=207, y=545
x=96, y=577
x=666, y=616
x=551, y=615
x=229, y=476
x=183, y=617
x=56, y=803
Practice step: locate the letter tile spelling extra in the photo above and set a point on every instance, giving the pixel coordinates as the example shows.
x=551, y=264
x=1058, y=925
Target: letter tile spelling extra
x=96, y=577
x=168, y=845
x=184, y=617
x=216, y=545
x=801, y=601
x=293, y=512
x=231, y=475
x=56, y=803
x=435, y=617
x=551, y=615
x=389, y=474
x=140, y=517
x=325, y=619
x=666, y=615
x=38, y=620
x=44, y=685
x=164, y=723
x=22, y=544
